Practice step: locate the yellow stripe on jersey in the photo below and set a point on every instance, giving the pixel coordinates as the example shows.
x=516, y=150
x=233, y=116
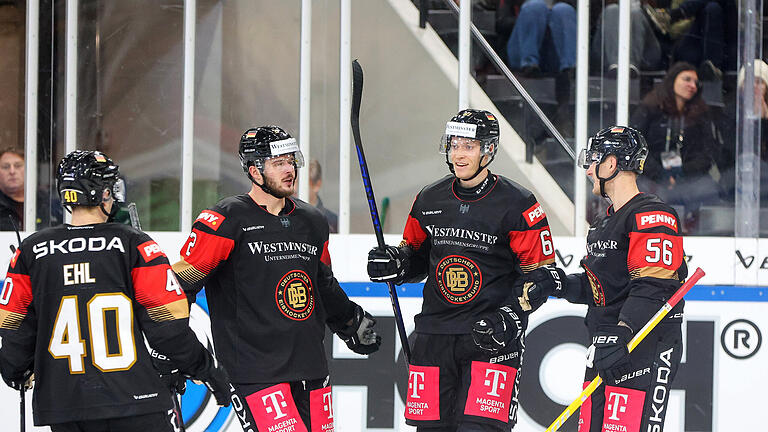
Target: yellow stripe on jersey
x=654, y=272
x=171, y=311
x=187, y=272
x=10, y=320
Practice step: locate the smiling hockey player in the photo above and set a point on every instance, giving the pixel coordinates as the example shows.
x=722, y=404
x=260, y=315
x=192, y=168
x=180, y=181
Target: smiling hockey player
x=634, y=264
x=263, y=259
x=471, y=234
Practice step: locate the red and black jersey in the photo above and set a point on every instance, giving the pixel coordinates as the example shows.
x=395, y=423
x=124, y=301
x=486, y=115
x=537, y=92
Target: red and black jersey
x=634, y=263
x=76, y=305
x=269, y=287
x=472, y=247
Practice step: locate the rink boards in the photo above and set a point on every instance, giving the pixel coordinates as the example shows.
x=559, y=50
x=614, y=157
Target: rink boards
x=717, y=387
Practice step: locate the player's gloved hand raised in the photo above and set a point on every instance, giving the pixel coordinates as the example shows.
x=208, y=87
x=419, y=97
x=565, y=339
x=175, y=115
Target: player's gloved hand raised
x=215, y=377
x=532, y=289
x=358, y=333
x=611, y=356
x=389, y=264
x=169, y=374
x=25, y=380
x=497, y=330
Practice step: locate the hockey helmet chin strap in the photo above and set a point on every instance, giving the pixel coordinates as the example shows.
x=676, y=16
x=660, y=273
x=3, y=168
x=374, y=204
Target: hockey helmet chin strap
x=604, y=179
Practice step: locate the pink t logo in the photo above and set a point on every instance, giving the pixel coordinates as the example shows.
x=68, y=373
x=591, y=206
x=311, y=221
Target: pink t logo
x=276, y=404
x=495, y=383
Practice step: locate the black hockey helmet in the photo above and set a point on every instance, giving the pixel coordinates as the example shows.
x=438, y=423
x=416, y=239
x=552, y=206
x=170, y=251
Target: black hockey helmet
x=626, y=143
x=83, y=175
x=264, y=142
x=475, y=124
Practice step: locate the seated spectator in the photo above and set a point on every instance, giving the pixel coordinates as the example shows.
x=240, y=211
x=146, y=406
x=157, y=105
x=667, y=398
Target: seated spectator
x=12, y=194
x=644, y=51
x=681, y=137
x=726, y=158
x=530, y=52
x=11, y=189
x=315, y=183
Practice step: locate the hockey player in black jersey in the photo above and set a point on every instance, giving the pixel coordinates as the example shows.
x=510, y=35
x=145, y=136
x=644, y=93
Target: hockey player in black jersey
x=263, y=259
x=472, y=234
x=634, y=264
x=78, y=301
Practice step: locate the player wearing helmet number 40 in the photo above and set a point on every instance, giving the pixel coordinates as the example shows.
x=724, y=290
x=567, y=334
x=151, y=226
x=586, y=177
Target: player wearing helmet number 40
x=471, y=234
x=263, y=259
x=634, y=264
x=78, y=301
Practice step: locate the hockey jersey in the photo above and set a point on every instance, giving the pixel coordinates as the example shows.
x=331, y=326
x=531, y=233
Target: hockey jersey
x=269, y=286
x=634, y=263
x=76, y=304
x=472, y=248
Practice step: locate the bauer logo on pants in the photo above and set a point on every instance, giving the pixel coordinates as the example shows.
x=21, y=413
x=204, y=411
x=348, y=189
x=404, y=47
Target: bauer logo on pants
x=293, y=295
x=458, y=278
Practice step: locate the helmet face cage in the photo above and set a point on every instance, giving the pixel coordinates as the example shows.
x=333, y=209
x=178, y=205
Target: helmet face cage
x=626, y=143
x=82, y=177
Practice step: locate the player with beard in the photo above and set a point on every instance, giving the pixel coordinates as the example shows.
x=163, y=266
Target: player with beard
x=472, y=234
x=76, y=305
x=634, y=264
x=263, y=259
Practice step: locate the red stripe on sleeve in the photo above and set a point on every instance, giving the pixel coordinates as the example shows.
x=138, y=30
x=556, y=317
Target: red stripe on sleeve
x=654, y=250
x=533, y=247
x=413, y=234
x=16, y=294
x=205, y=251
x=153, y=287
x=325, y=258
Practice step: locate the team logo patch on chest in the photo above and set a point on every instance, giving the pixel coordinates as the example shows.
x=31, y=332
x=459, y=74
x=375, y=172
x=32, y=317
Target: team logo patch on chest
x=458, y=278
x=293, y=295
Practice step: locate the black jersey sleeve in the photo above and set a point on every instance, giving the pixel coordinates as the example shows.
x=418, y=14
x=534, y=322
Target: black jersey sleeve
x=208, y=245
x=18, y=324
x=162, y=309
x=416, y=238
x=338, y=307
x=654, y=261
x=529, y=236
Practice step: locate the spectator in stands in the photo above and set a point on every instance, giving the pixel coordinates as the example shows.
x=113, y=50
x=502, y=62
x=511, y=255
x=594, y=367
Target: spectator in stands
x=315, y=183
x=726, y=161
x=645, y=50
x=710, y=41
x=11, y=188
x=681, y=137
x=530, y=52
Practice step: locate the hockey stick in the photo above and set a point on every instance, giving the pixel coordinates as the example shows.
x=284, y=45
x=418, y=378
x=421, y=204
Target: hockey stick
x=357, y=95
x=698, y=274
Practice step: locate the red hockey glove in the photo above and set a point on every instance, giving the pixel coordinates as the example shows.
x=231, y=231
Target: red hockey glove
x=495, y=331
x=611, y=357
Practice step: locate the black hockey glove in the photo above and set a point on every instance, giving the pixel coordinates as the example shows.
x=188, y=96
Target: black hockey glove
x=495, y=331
x=213, y=375
x=611, y=357
x=389, y=264
x=168, y=372
x=17, y=383
x=532, y=289
x=358, y=333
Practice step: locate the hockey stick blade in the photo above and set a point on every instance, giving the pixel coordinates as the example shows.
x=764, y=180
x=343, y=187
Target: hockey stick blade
x=357, y=96
x=639, y=336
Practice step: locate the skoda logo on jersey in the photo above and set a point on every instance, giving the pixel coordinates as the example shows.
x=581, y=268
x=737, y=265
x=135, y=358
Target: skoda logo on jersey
x=458, y=278
x=293, y=295
x=198, y=407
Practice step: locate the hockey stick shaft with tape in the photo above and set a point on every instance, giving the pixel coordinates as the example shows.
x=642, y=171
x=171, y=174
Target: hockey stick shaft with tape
x=357, y=95
x=639, y=336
